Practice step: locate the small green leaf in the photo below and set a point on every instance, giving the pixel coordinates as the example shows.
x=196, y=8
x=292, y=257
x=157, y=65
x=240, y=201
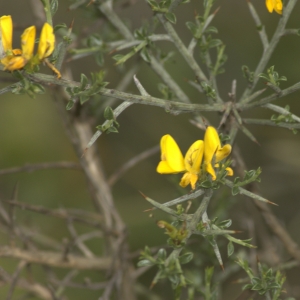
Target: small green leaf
x=70, y=105
x=83, y=82
x=118, y=57
x=109, y=113
x=83, y=98
x=186, y=258
x=230, y=249
x=162, y=254
x=112, y=129
x=59, y=26
x=153, y=3
x=206, y=184
x=53, y=7
x=171, y=17
x=235, y=190
x=144, y=263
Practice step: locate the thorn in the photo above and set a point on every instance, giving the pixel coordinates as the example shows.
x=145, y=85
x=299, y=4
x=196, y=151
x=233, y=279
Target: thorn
x=91, y=2
x=152, y=285
x=149, y=209
x=72, y=24
x=216, y=11
x=270, y=202
x=112, y=51
x=143, y=195
x=84, y=152
x=222, y=266
x=237, y=231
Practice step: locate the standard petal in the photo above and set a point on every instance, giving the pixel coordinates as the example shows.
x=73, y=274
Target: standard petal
x=171, y=154
x=47, y=41
x=211, y=143
x=6, y=28
x=278, y=7
x=27, y=41
x=270, y=5
x=193, y=157
x=164, y=168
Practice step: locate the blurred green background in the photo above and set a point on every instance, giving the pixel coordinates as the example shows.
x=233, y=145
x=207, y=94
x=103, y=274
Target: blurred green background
x=32, y=132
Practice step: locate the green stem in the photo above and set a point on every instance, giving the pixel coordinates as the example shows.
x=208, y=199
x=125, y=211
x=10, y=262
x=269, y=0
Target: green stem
x=271, y=47
x=47, y=9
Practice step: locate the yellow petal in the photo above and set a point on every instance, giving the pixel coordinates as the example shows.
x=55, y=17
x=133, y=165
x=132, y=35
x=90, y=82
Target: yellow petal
x=47, y=41
x=17, y=52
x=171, y=156
x=211, y=143
x=193, y=157
x=212, y=148
x=278, y=7
x=12, y=63
x=6, y=28
x=27, y=41
x=229, y=171
x=270, y=6
x=189, y=178
x=222, y=153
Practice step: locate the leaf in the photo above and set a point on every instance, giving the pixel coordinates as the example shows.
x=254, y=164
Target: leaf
x=53, y=7
x=186, y=258
x=171, y=17
x=59, y=26
x=162, y=254
x=83, y=82
x=112, y=129
x=70, y=105
x=235, y=190
x=230, y=249
x=109, y=113
x=144, y=263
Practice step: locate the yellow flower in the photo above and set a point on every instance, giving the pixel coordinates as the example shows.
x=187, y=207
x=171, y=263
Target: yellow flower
x=274, y=5
x=47, y=41
x=214, y=152
x=172, y=160
x=16, y=59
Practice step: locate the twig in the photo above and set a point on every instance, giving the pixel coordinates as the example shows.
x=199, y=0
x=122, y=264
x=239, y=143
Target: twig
x=14, y=279
x=60, y=213
x=259, y=25
x=272, y=45
x=270, y=219
x=54, y=259
x=84, y=249
x=41, y=166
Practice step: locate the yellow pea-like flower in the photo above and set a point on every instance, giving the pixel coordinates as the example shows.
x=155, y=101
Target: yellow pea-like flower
x=172, y=160
x=274, y=5
x=16, y=59
x=47, y=42
x=6, y=28
x=214, y=152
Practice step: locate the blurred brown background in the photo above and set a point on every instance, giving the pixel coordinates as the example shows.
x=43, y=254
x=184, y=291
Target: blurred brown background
x=31, y=130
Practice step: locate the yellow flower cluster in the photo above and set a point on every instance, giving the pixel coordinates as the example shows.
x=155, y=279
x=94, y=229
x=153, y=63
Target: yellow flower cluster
x=274, y=5
x=16, y=59
x=172, y=160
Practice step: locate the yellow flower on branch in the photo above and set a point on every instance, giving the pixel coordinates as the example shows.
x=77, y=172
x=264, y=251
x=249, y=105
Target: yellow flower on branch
x=172, y=160
x=274, y=5
x=214, y=152
x=16, y=59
